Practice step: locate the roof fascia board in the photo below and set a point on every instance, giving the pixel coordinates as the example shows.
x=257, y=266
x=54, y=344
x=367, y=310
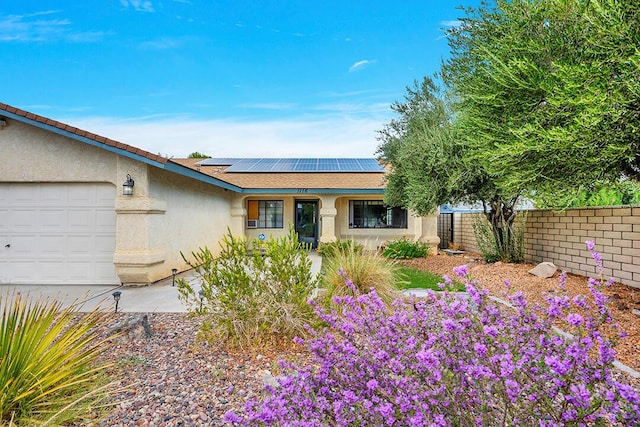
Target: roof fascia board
x=311, y=191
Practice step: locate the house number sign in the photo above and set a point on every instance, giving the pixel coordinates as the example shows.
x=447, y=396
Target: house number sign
x=303, y=190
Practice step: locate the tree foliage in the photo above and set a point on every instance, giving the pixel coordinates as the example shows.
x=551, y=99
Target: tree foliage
x=538, y=97
x=548, y=92
x=197, y=155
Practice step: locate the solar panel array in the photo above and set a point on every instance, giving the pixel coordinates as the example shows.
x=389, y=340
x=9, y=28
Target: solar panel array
x=295, y=165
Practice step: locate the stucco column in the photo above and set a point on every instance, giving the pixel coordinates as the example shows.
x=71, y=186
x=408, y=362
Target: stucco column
x=138, y=219
x=426, y=230
x=328, y=214
x=238, y=216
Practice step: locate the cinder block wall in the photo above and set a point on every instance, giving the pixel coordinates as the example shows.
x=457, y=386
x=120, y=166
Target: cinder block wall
x=560, y=237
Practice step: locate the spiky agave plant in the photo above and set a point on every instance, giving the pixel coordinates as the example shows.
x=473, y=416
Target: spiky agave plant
x=48, y=361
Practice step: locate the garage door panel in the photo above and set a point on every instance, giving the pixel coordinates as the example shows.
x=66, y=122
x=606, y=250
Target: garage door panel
x=24, y=195
x=78, y=270
x=105, y=219
x=51, y=271
x=80, y=244
x=23, y=271
x=22, y=219
x=59, y=233
x=105, y=245
x=80, y=219
x=52, y=245
x=52, y=219
x=22, y=245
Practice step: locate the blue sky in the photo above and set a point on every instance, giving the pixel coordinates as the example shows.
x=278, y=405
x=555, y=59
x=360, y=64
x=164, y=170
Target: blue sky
x=227, y=78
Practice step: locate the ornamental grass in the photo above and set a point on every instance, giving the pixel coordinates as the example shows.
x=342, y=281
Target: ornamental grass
x=49, y=373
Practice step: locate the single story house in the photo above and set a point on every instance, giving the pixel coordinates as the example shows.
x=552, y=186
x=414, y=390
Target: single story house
x=79, y=208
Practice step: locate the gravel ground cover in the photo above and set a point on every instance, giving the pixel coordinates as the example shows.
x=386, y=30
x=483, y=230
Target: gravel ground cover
x=623, y=299
x=175, y=379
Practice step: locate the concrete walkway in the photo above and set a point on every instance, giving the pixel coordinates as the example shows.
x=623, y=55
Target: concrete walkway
x=160, y=297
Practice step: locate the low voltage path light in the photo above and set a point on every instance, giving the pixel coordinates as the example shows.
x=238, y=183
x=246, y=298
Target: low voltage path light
x=201, y=295
x=174, y=271
x=127, y=187
x=116, y=298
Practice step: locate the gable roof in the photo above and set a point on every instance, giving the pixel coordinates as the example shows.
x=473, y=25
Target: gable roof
x=117, y=147
x=363, y=182
x=293, y=182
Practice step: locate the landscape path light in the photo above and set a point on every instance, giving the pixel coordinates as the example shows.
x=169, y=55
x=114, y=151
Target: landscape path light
x=116, y=298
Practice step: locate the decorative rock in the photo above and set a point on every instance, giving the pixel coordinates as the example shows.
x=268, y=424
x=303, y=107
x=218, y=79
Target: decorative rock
x=269, y=379
x=134, y=327
x=635, y=311
x=544, y=270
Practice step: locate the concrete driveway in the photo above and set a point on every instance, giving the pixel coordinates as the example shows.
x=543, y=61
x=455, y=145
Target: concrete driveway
x=160, y=297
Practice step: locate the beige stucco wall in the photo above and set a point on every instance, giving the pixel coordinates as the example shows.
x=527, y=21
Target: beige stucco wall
x=30, y=154
x=197, y=215
x=167, y=214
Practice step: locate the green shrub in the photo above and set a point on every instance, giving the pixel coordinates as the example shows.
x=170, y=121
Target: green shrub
x=48, y=369
x=501, y=244
x=331, y=249
x=253, y=292
x=367, y=270
x=405, y=249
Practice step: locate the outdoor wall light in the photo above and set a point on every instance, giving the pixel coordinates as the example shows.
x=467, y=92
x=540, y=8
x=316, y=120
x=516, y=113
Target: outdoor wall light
x=3, y=123
x=174, y=271
x=127, y=187
x=116, y=298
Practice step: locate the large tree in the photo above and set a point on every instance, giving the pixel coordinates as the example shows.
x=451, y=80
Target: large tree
x=430, y=165
x=548, y=91
x=540, y=97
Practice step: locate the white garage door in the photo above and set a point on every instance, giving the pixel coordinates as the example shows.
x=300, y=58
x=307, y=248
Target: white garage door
x=62, y=234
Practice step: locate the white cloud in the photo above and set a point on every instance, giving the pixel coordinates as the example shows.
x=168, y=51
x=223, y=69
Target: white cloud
x=34, y=28
x=138, y=5
x=451, y=24
x=361, y=64
x=269, y=106
x=161, y=44
x=177, y=136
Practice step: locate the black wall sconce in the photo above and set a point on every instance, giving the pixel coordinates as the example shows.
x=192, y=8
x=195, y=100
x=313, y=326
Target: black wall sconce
x=174, y=271
x=127, y=187
x=116, y=298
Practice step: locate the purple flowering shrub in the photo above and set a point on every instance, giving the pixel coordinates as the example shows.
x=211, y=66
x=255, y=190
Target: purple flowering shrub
x=451, y=360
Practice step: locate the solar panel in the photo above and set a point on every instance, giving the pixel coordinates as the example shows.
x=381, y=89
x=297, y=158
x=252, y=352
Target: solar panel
x=303, y=165
x=219, y=161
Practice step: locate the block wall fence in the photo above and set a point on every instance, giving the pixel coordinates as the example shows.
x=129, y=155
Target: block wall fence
x=559, y=237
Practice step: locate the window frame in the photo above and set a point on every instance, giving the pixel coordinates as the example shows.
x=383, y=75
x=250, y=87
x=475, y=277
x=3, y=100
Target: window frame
x=377, y=220
x=268, y=217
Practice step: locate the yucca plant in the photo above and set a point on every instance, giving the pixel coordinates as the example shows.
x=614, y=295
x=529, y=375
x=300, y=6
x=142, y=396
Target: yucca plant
x=48, y=362
x=366, y=270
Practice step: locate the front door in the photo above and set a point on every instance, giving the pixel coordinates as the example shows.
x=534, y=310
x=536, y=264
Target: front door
x=307, y=222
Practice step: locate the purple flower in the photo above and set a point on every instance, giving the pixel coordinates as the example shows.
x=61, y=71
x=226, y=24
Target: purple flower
x=461, y=270
x=513, y=389
x=590, y=244
x=574, y=319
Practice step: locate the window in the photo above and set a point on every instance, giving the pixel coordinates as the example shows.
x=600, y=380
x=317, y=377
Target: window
x=265, y=213
x=375, y=214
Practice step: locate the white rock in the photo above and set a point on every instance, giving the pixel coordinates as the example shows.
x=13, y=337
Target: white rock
x=544, y=270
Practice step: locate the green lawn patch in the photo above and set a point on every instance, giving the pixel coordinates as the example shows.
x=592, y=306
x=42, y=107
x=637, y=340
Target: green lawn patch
x=413, y=278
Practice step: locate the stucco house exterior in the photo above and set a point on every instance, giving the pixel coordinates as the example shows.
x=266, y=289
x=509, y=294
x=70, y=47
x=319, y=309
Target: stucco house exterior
x=65, y=217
